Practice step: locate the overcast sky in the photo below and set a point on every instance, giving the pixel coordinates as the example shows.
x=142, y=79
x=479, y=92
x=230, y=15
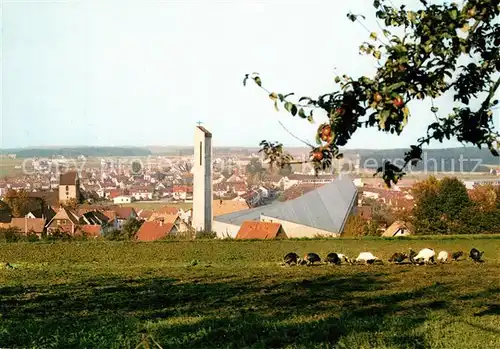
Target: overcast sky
x=143, y=72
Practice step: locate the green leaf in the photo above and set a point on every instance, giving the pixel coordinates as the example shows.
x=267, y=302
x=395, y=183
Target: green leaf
x=434, y=109
x=245, y=80
x=395, y=86
x=337, y=79
x=412, y=16
x=377, y=54
x=373, y=36
x=454, y=14
x=258, y=81
x=276, y=105
x=302, y=113
x=294, y=110
x=288, y=106
x=310, y=118
x=318, y=139
x=273, y=96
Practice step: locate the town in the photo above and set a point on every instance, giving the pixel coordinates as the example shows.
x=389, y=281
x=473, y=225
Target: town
x=152, y=199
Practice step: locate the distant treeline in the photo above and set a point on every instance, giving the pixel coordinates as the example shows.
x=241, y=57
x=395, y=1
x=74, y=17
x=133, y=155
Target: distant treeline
x=74, y=152
x=440, y=160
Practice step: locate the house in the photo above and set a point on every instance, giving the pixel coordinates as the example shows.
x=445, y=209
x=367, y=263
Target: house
x=69, y=187
x=64, y=221
x=253, y=198
x=298, y=190
x=94, y=218
x=29, y=225
x=398, y=228
x=144, y=214
x=180, y=224
x=483, y=181
x=50, y=198
x=261, y=230
x=182, y=192
x=46, y=212
x=122, y=215
x=123, y=199
x=321, y=212
x=141, y=193
x=295, y=178
x=155, y=230
x=91, y=231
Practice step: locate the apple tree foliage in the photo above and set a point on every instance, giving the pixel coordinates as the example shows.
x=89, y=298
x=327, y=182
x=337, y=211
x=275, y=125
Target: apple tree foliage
x=424, y=62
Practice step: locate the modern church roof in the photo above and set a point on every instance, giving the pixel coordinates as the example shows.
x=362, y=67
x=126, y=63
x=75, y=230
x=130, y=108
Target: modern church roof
x=325, y=208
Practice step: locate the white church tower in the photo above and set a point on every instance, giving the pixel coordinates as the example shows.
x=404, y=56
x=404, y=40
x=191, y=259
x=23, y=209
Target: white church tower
x=202, y=180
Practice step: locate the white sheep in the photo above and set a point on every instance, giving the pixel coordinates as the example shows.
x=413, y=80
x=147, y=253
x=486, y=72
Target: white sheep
x=443, y=257
x=343, y=258
x=427, y=254
x=366, y=257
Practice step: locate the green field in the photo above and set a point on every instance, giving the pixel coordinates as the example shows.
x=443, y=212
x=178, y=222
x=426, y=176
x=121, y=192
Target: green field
x=234, y=294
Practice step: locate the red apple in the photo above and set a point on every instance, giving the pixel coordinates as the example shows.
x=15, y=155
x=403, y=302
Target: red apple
x=398, y=102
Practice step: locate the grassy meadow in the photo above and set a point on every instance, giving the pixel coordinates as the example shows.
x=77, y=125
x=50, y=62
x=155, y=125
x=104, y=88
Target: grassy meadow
x=235, y=294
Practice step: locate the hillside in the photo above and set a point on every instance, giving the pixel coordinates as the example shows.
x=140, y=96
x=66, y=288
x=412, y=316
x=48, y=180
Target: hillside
x=76, y=151
x=440, y=160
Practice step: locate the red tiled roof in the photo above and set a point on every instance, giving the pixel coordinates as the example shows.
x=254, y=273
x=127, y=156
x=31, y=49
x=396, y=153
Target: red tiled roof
x=168, y=210
x=260, y=230
x=145, y=214
x=153, y=230
x=110, y=214
x=90, y=230
x=115, y=193
x=124, y=212
x=182, y=189
x=298, y=190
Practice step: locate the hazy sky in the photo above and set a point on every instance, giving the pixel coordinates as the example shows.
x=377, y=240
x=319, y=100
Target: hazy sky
x=143, y=72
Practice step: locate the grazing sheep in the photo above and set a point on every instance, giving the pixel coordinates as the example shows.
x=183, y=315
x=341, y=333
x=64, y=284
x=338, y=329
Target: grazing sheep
x=398, y=257
x=332, y=258
x=344, y=258
x=291, y=258
x=442, y=257
x=475, y=255
x=426, y=254
x=456, y=255
x=367, y=258
x=310, y=259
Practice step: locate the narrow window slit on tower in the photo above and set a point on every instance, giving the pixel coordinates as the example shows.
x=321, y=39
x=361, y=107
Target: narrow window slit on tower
x=200, y=153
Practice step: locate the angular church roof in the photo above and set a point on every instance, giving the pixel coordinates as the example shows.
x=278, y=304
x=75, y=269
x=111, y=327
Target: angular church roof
x=204, y=130
x=325, y=208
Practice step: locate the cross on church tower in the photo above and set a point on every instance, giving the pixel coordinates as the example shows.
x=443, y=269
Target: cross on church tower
x=199, y=123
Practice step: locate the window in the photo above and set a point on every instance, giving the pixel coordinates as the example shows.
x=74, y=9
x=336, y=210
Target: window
x=67, y=187
x=200, y=152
